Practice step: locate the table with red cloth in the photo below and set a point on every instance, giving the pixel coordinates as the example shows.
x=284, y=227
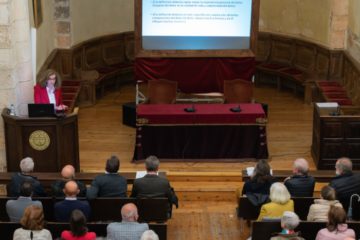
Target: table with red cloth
x=211, y=132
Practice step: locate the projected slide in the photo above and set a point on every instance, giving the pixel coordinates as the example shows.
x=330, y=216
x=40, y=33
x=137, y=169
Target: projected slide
x=196, y=24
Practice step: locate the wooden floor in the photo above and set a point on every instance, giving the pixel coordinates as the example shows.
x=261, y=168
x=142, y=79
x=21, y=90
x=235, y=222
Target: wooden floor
x=206, y=190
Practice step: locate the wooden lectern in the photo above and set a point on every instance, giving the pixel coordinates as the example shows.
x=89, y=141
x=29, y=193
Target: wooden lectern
x=52, y=142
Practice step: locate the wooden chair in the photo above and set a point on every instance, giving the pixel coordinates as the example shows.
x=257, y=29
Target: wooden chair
x=238, y=91
x=161, y=91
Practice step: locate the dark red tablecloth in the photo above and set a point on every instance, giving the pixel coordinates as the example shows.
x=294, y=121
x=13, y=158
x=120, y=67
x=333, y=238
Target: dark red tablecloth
x=211, y=132
x=204, y=114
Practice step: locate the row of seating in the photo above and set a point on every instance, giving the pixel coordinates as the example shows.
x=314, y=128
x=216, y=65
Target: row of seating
x=247, y=211
x=266, y=229
x=7, y=229
x=332, y=91
x=105, y=209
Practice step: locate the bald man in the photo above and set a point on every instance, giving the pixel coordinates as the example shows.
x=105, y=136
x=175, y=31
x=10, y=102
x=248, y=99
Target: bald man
x=346, y=182
x=300, y=184
x=64, y=208
x=128, y=228
x=67, y=174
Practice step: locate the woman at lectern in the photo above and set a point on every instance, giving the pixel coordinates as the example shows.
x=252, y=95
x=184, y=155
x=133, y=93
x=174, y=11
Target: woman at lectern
x=48, y=90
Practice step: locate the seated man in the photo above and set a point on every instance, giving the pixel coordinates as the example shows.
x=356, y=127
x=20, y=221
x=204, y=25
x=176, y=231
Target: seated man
x=300, y=184
x=128, y=228
x=64, y=208
x=110, y=184
x=289, y=221
x=67, y=173
x=26, y=167
x=346, y=183
x=15, y=208
x=151, y=185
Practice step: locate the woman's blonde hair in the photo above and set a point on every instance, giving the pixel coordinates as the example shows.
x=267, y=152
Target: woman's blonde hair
x=33, y=218
x=279, y=193
x=45, y=76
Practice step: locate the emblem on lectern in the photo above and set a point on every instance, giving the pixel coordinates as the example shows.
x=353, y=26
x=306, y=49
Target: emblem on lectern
x=39, y=140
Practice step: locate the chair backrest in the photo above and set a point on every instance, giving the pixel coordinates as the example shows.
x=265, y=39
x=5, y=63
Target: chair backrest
x=238, y=91
x=161, y=91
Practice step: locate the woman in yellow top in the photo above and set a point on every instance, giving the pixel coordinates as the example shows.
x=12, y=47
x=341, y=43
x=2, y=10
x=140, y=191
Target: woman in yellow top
x=280, y=202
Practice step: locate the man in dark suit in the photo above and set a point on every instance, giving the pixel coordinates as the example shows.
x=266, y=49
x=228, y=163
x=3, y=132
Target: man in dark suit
x=110, y=184
x=26, y=167
x=64, y=208
x=346, y=183
x=152, y=185
x=301, y=184
x=67, y=173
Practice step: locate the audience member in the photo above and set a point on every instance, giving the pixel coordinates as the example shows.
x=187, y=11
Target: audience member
x=289, y=221
x=15, y=208
x=319, y=210
x=149, y=235
x=337, y=228
x=346, y=182
x=152, y=185
x=260, y=181
x=32, y=225
x=110, y=184
x=300, y=184
x=26, y=167
x=67, y=173
x=78, y=228
x=63, y=209
x=280, y=202
x=128, y=228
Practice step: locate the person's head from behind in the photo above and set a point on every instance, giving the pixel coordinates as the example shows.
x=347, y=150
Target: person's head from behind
x=301, y=166
x=68, y=172
x=149, y=235
x=289, y=220
x=50, y=78
x=336, y=216
x=71, y=189
x=33, y=218
x=328, y=193
x=78, y=223
x=27, y=165
x=129, y=213
x=279, y=193
x=26, y=189
x=152, y=164
x=112, y=164
x=261, y=171
x=343, y=166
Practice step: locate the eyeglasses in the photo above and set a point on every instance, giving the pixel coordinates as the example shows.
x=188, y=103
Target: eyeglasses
x=52, y=78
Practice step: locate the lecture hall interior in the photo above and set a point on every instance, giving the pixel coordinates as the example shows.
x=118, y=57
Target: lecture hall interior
x=298, y=97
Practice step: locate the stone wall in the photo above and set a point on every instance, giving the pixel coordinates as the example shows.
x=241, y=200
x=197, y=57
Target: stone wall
x=15, y=61
x=321, y=21
x=353, y=39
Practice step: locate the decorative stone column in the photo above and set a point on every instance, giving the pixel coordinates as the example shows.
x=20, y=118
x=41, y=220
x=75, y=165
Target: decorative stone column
x=62, y=22
x=15, y=61
x=339, y=23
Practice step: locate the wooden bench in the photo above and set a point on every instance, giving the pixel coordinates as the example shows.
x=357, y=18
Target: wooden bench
x=266, y=229
x=295, y=63
x=105, y=209
x=7, y=229
x=247, y=211
x=323, y=176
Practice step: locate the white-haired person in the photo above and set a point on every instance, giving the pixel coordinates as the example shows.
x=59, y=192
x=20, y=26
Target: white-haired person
x=319, y=210
x=300, y=184
x=289, y=221
x=280, y=202
x=26, y=167
x=149, y=235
